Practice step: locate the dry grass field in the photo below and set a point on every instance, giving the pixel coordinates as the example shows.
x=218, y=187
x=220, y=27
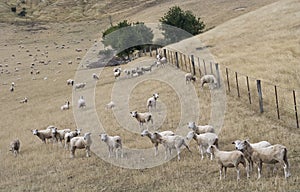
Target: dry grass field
x=258, y=38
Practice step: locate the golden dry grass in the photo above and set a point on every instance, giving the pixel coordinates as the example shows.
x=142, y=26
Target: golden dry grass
x=48, y=167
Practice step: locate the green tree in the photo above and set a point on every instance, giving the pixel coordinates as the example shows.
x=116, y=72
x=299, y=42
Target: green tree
x=184, y=20
x=126, y=37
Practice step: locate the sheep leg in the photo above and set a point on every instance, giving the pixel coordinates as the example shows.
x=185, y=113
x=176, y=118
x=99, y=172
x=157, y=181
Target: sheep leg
x=87, y=150
x=166, y=153
x=156, y=150
x=259, y=169
x=225, y=171
x=72, y=152
x=178, y=153
x=220, y=170
x=201, y=152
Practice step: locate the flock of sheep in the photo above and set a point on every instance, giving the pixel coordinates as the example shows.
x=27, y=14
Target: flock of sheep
x=245, y=153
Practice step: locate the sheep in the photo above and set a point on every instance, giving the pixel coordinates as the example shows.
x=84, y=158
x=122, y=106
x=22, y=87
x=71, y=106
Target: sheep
x=70, y=135
x=117, y=72
x=110, y=105
x=25, y=100
x=269, y=155
x=66, y=106
x=204, y=141
x=79, y=85
x=113, y=143
x=210, y=79
x=142, y=117
x=228, y=159
x=260, y=144
x=172, y=142
x=43, y=134
x=189, y=77
x=15, y=147
x=199, y=129
x=146, y=68
x=95, y=76
x=154, y=139
x=151, y=102
x=84, y=142
x=59, y=135
x=70, y=82
x=81, y=102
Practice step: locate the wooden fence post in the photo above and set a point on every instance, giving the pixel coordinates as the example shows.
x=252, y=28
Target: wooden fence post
x=204, y=67
x=248, y=87
x=218, y=75
x=150, y=50
x=177, y=62
x=199, y=66
x=185, y=62
x=156, y=51
x=193, y=64
x=228, y=84
x=295, y=104
x=165, y=54
x=260, y=97
x=277, y=106
x=237, y=84
x=211, y=68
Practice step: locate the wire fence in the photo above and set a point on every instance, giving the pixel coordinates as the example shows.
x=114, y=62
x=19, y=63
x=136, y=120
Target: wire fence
x=262, y=97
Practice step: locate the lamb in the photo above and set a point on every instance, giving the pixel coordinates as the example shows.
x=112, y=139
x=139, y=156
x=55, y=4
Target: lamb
x=79, y=85
x=95, y=76
x=110, y=105
x=70, y=82
x=43, y=134
x=204, y=141
x=151, y=102
x=269, y=155
x=15, y=147
x=154, y=139
x=113, y=143
x=146, y=68
x=260, y=144
x=209, y=79
x=84, y=142
x=117, y=72
x=25, y=100
x=228, y=159
x=66, y=106
x=189, y=77
x=142, y=117
x=70, y=135
x=59, y=135
x=81, y=102
x=199, y=129
x=172, y=142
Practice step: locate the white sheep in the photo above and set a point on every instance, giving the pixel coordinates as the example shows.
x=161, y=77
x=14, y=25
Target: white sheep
x=81, y=102
x=15, y=147
x=110, y=105
x=142, y=117
x=209, y=79
x=25, y=100
x=260, y=144
x=269, y=155
x=117, y=72
x=70, y=135
x=59, y=135
x=95, y=76
x=84, y=142
x=146, y=68
x=151, y=102
x=113, y=143
x=204, y=141
x=189, y=77
x=172, y=142
x=228, y=159
x=70, y=82
x=199, y=129
x=154, y=139
x=43, y=134
x=79, y=85
x=66, y=106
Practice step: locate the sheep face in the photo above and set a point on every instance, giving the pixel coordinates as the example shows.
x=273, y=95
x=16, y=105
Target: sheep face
x=86, y=136
x=144, y=133
x=35, y=132
x=191, y=125
x=133, y=113
x=236, y=144
x=190, y=135
x=103, y=137
x=156, y=96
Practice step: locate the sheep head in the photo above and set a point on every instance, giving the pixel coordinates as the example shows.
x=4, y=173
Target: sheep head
x=103, y=137
x=133, y=113
x=191, y=125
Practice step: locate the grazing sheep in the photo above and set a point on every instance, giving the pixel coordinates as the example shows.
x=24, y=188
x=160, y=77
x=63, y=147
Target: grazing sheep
x=70, y=82
x=146, y=68
x=70, y=135
x=43, y=134
x=269, y=155
x=204, y=141
x=81, y=102
x=260, y=144
x=84, y=142
x=172, y=142
x=154, y=139
x=95, y=76
x=59, y=135
x=151, y=102
x=113, y=143
x=110, y=105
x=25, y=100
x=199, y=129
x=142, y=117
x=189, y=77
x=79, y=85
x=66, y=106
x=15, y=147
x=228, y=159
x=117, y=72
x=12, y=88
x=209, y=79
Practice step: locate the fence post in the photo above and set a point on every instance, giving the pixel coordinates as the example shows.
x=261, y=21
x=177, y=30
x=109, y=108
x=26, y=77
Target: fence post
x=237, y=84
x=260, y=97
x=177, y=62
x=200, y=74
x=165, y=54
x=277, y=106
x=218, y=75
x=248, y=87
x=228, y=84
x=204, y=67
x=295, y=104
x=193, y=64
x=185, y=62
x=150, y=50
x=156, y=51
x=211, y=68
